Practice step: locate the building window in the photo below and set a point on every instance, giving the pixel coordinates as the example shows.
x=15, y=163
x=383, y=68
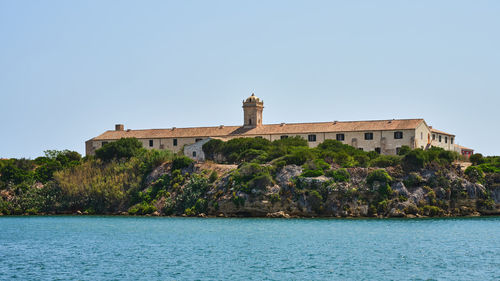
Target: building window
x=194, y=153
x=377, y=149
x=433, y=136
x=421, y=135
x=398, y=135
x=451, y=140
x=283, y=137
x=249, y=121
x=258, y=137
x=175, y=142
x=311, y=137
x=340, y=137
x=150, y=143
x=197, y=140
x=445, y=139
x=368, y=136
x=104, y=143
x=439, y=138
x=360, y=148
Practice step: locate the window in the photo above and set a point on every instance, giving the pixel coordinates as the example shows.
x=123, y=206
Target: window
x=258, y=137
x=175, y=142
x=104, y=143
x=197, y=140
x=445, y=139
x=340, y=137
x=433, y=136
x=368, y=136
x=398, y=135
x=421, y=135
x=194, y=153
x=451, y=140
x=377, y=149
x=439, y=138
x=250, y=121
x=283, y=137
x=150, y=143
x=311, y=137
x=360, y=148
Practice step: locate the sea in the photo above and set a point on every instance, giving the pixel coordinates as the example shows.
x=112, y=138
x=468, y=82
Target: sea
x=165, y=248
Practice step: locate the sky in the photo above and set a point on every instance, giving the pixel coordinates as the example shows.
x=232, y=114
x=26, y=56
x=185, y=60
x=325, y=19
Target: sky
x=70, y=70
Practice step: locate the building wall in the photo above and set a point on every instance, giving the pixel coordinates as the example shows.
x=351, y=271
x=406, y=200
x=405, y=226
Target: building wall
x=423, y=136
x=447, y=141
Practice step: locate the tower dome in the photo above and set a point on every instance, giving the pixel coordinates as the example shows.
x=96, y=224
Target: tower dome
x=252, y=111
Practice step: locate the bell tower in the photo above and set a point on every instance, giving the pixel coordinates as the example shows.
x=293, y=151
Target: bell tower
x=252, y=112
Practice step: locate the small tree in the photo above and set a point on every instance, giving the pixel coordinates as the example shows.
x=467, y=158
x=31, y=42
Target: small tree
x=476, y=159
x=122, y=148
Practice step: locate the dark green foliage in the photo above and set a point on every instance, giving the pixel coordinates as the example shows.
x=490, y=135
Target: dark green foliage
x=316, y=164
x=16, y=171
x=315, y=200
x=312, y=173
x=142, y=209
x=474, y=174
x=252, y=176
x=404, y=150
x=274, y=198
x=339, y=175
x=413, y=180
x=298, y=156
x=212, y=147
x=383, y=179
x=213, y=177
x=181, y=162
x=383, y=161
x=476, y=159
x=122, y=148
x=431, y=211
x=414, y=160
x=195, y=188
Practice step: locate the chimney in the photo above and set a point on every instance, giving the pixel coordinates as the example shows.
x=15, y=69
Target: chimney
x=119, y=127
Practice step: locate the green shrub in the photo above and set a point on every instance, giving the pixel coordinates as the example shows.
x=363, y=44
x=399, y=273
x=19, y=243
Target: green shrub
x=380, y=176
x=275, y=197
x=181, y=162
x=211, y=148
x=339, y=175
x=312, y=173
x=142, y=208
x=315, y=200
x=431, y=211
x=414, y=160
x=122, y=148
x=316, y=164
x=413, y=180
x=383, y=161
x=476, y=159
x=403, y=150
x=474, y=174
x=213, y=177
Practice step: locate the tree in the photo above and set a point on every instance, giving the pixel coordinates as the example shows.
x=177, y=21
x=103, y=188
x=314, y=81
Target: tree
x=122, y=148
x=476, y=159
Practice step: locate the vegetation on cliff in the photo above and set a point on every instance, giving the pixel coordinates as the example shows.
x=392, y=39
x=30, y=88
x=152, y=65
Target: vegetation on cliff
x=251, y=177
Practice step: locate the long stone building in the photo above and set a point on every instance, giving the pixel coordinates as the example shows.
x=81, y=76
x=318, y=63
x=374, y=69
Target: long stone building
x=383, y=136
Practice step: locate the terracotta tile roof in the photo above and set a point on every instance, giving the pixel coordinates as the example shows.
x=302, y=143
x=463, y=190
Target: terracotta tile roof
x=440, y=132
x=290, y=128
x=463, y=147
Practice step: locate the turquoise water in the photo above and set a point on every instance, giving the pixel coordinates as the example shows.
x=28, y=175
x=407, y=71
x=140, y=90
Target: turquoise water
x=130, y=248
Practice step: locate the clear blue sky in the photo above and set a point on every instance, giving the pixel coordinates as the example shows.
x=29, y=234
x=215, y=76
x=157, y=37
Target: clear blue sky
x=69, y=70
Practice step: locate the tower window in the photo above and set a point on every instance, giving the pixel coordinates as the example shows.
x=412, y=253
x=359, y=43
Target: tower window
x=368, y=136
x=175, y=142
x=194, y=153
x=284, y=137
x=311, y=138
x=150, y=143
x=340, y=137
x=250, y=121
x=398, y=135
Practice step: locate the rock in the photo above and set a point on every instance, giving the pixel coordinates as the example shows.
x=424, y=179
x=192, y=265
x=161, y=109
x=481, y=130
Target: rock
x=417, y=195
x=400, y=188
x=287, y=173
x=202, y=215
x=395, y=213
x=156, y=214
x=279, y=214
x=79, y=212
x=124, y=213
x=221, y=215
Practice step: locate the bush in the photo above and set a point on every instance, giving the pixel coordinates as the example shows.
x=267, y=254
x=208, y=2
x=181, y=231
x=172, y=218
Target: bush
x=404, y=150
x=275, y=197
x=316, y=164
x=474, y=174
x=213, y=177
x=414, y=160
x=339, y=175
x=122, y=148
x=383, y=161
x=181, y=162
x=211, y=148
x=380, y=176
x=142, y=208
x=315, y=200
x=431, y=211
x=312, y=173
x=476, y=159
x=413, y=180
